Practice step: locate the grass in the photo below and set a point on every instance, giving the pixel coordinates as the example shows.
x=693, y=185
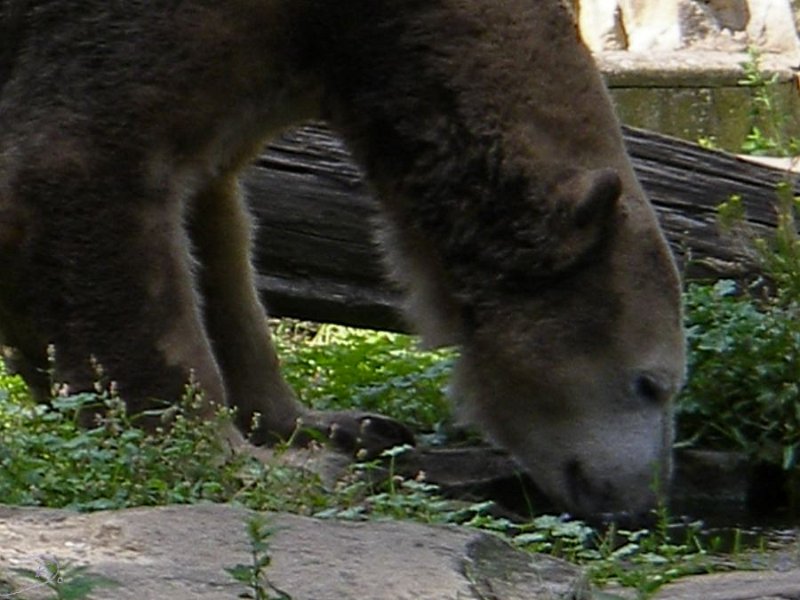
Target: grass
x=335, y=367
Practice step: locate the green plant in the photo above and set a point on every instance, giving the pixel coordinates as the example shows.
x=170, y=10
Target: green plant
x=12, y=387
x=744, y=364
x=743, y=390
x=375, y=489
x=648, y=559
x=47, y=459
x=67, y=581
x=253, y=575
x=744, y=361
x=643, y=560
x=335, y=367
x=768, y=134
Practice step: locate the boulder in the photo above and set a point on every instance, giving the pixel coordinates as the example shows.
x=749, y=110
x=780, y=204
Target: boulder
x=181, y=552
x=747, y=585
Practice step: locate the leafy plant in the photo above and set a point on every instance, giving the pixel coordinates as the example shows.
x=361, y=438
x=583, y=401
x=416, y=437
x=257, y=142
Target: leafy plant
x=375, y=489
x=646, y=560
x=744, y=340
x=47, y=459
x=768, y=135
x=253, y=575
x=743, y=391
x=50, y=461
x=67, y=581
x=335, y=367
x=744, y=361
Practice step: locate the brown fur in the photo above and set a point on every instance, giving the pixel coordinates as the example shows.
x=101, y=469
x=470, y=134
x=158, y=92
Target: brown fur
x=511, y=212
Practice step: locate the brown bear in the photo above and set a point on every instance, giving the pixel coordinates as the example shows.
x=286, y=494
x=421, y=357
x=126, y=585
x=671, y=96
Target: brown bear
x=511, y=215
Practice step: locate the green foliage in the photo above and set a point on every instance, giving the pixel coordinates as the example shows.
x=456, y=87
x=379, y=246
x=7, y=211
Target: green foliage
x=47, y=459
x=768, y=134
x=275, y=486
x=12, y=388
x=66, y=581
x=781, y=255
x=374, y=489
x=338, y=367
x=645, y=560
x=744, y=342
x=254, y=575
x=744, y=373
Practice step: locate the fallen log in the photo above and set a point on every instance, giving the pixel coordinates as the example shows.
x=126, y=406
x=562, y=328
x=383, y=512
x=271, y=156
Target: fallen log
x=316, y=259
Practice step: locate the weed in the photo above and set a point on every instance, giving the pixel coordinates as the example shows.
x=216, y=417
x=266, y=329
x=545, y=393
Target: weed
x=253, y=575
x=770, y=123
x=47, y=459
x=743, y=391
x=744, y=340
x=60, y=460
x=375, y=489
x=66, y=580
x=335, y=367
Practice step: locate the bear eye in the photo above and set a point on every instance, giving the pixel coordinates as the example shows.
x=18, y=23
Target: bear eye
x=650, y=389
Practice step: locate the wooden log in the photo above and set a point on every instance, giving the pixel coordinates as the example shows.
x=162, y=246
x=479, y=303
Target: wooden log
x=316, y=258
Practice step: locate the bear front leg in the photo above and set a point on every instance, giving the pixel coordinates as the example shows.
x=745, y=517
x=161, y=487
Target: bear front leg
x=236, y=323
x=221, y=234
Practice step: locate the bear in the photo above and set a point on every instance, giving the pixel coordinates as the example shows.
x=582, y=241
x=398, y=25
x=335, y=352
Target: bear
x=511, y=217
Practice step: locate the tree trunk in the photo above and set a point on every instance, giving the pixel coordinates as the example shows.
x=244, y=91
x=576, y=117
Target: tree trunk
x=316, y=259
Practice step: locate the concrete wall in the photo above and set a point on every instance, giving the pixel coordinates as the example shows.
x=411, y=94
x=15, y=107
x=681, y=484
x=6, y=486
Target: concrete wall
x=724, y=25
x=675, y=66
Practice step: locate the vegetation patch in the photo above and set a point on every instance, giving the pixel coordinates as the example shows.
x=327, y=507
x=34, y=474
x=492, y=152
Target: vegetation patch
x=334, y=367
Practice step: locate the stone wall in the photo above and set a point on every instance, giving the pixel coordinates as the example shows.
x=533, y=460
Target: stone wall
x=668, y=25
x=675, y=66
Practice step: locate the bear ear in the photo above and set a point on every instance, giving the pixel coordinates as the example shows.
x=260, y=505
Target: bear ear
x=585, y=205
x=592, y=195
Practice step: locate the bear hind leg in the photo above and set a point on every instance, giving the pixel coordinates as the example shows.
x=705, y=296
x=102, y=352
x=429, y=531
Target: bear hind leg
x=104, y=274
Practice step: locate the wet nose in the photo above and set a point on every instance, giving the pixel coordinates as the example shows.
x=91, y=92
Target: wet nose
x=599, y=501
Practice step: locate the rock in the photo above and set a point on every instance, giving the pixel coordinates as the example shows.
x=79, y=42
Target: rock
x=740, y=585
x=756, y=585
x=180, y=552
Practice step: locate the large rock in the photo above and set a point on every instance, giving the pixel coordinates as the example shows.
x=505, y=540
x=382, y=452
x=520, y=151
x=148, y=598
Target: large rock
x=181, y=552
x=756, y=585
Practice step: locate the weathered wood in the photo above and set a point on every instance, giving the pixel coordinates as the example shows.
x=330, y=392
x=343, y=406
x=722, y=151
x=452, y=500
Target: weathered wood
x=316, y=258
